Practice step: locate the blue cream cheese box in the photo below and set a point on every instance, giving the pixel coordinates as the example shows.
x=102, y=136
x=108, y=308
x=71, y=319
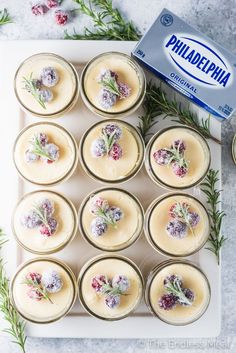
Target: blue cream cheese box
x=191, y=63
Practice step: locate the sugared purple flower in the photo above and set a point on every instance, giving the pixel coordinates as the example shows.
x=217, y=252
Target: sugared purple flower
x=97, y=204
x=98, y=148
x=121, y=282
x=37, y=83
x=47, y=206
x=46, y=95
x=53, y=152
x=98, y=283
x=112, y=301
x=124, y=90
x=162, y=156
x=30, y=156
x=61, y=17
x=31, y=220
x=115, y=152
x=98, y=226
x=106, y=98
x=176, y=229
x=49, y=76
x=112, y=130
x=51, y=281
x=39, y=9
x=193, y=218
x=180, y=171
x=49, y=228
x=107, y=74
x=115, y=213
x=179, y=145
x=189, y=294
x=168, y=301
x=43, y=139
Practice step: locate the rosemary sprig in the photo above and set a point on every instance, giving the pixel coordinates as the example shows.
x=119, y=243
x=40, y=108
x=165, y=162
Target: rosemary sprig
x=175, y=288
x=39, y=150
x=5, y=17
x=182, y=212
x=108, y=22
x=109, y=140
x=42, y=214
x=110, y=84
x=16, y=326
x=106, y=216
x=156, y=103
x=209, y=188
x=30, y=85
x=39, y=288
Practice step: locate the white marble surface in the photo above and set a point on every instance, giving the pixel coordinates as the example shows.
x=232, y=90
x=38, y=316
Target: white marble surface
x=216, y=18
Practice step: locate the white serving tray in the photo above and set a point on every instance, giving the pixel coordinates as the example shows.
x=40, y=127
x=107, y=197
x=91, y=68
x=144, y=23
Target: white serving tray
x=78, y=323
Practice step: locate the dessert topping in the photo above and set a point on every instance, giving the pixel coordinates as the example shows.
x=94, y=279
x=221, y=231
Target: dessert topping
x=41, y=217
x=112, y=289
x=41, y=285
x=107, y=144
x=36, y=87
x=53, y=3
x=105, y=215
x=40, y=149
x=39, y=9
x=173, y=156
x=61, y=17
x=176, y=293
x=183, y=219
x=112, y=89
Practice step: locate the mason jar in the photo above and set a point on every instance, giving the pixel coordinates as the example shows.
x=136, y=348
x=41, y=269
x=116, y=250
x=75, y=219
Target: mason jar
x=123, y=287
x=127, y=74
x=46, y=85
x=51, y=277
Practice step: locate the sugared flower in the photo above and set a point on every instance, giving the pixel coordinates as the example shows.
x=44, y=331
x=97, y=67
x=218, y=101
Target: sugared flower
x=115, y=213
x=193, y=218
x=121, y=282
x=52, y=3
x=162, y=156
x=168, y=301
x=172, y=279
x=46, y=95
x=34, y=276
x=106, y=98
x=176, y=229
x=179, y=145
x=98, y=204
x=51, y=281
x=47, y=206
x=98, y=283
x=34, y=293
x=124, y=90
x=98, y=148
x=31, y=220
x=112, y=301
x=98, y=226
x=49, y=76
x=179, y=170
x=39, y=9
x=61, y=17
x=48, y=228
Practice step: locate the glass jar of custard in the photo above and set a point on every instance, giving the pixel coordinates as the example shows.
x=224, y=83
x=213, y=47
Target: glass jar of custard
x=45, y=154
x=113, y=85
x=110, y=287
x=177, y=224
x=177, y=292
x=43, y=290
x=44, y=222
x=46, y=85
x=111, y=151
x=177, y=157
x=111, y=219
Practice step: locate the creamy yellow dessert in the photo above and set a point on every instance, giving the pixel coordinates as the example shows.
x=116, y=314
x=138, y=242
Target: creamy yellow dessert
x=112, y=151
x=46, y=85
x=44, y=222
x=113, y=84
x=110, y=287
x=111, y=219
x=43, y=290
x=177, y=224
x=177, y=292
x=177, y=157
x=45, y=153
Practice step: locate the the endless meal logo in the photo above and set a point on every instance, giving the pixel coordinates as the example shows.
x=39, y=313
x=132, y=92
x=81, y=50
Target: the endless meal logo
x=198, y=60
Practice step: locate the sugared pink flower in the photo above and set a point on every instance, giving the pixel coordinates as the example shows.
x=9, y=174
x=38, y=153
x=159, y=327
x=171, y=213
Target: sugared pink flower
x=39, y=9
x=61, y=17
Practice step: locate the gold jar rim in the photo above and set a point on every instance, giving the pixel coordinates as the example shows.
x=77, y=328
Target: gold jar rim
x=59, y=247
x=131, y=241
x=58, y=262
x=148, y=164
x=141, y=151
x=151, y=278
x=73, y=98
x=93, y=261
x=148, y=215
x=75, y=147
